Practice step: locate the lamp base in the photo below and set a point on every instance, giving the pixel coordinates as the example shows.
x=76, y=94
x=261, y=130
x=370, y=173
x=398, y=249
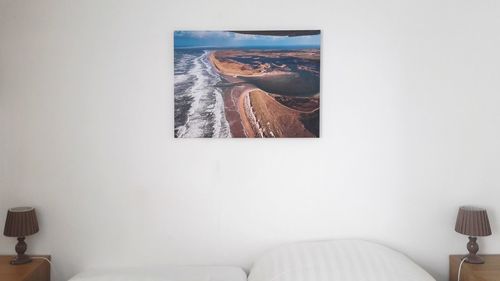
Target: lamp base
x=474, y=259
x=21, y=258
x=473, y=247
x=17, y=260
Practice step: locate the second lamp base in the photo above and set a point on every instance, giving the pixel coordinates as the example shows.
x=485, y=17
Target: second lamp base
x=474, y=259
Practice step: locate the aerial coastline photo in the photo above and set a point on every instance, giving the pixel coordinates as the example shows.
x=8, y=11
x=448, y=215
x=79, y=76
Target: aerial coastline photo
x=247, y=84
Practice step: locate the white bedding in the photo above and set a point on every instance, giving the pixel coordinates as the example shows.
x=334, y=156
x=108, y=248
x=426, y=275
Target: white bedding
x=165, y=273
x=340, y=260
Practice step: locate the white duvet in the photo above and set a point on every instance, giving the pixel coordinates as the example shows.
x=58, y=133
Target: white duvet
x=165, y=273
x=340, y=260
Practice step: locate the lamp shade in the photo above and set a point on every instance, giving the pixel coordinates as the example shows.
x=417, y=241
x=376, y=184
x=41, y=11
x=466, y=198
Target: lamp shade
x=472, y=221
x=20, y=222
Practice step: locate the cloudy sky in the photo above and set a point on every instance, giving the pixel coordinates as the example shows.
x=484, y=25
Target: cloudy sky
x=231, y=39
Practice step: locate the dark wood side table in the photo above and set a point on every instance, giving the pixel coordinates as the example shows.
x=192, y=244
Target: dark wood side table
x=37, y=270
x=489, y=271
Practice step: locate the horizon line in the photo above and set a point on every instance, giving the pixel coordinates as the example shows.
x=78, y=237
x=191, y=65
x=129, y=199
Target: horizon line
x=248, y=46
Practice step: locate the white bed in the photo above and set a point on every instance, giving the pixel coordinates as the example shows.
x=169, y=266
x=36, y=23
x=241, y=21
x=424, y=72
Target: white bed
x=165, y=273
x=339, y=260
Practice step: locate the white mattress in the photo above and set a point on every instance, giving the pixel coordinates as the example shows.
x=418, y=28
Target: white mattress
x=341, y=260
x=165, y=273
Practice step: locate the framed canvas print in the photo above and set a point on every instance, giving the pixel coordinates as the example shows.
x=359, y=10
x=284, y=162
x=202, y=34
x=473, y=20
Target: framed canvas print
x=247, y=84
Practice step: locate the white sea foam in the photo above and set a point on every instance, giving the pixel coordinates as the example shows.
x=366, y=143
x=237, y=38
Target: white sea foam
x=251, y=115
x=221, y=126
x=192, y=128
x=180, y=78
x=207, y=105
x=180, y=67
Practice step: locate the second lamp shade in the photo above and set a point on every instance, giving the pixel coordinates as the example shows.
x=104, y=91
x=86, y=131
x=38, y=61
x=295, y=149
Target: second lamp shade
x=472, y=221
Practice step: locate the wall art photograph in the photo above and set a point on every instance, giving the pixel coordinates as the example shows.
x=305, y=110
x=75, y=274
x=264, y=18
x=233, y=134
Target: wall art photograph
x=247, y=84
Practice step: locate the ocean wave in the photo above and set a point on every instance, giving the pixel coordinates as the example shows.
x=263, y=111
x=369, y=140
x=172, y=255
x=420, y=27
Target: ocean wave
x=221, y=125
x=181, y=78
x=205, y=117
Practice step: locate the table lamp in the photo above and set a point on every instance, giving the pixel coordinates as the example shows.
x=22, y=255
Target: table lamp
x=21, y=222
x=473, y=221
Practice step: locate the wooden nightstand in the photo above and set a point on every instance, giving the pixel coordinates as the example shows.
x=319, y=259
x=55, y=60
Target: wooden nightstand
x=489, y=271
x=37, y=270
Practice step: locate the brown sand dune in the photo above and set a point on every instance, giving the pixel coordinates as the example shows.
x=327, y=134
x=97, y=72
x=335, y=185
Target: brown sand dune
x=273, y=119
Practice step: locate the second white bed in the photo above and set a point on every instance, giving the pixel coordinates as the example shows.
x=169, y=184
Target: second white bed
x=338, y=260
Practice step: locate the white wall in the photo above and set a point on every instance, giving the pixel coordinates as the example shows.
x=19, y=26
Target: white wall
x=410, y=131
